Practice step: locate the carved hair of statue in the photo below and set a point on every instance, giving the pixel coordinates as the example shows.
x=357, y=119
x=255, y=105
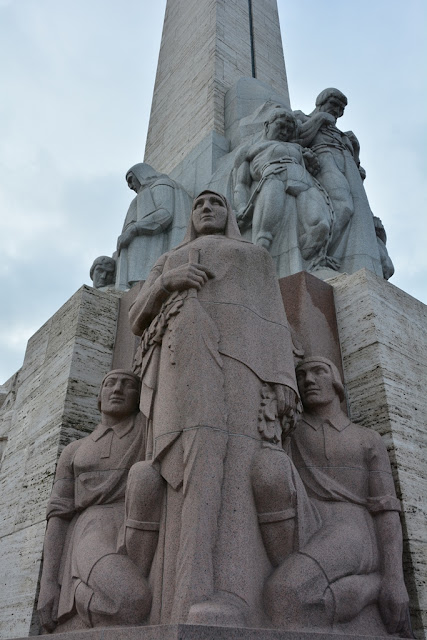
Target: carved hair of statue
x=329, y=93
x=280, y=112
x=336, y=378
x=107, y=265
x=143, y=172
x=114, y=372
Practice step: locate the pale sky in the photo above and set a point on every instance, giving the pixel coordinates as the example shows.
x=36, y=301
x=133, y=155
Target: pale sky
x=77, y=78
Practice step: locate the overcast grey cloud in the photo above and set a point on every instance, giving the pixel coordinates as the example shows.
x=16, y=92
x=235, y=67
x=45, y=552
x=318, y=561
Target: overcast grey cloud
x=77, y=80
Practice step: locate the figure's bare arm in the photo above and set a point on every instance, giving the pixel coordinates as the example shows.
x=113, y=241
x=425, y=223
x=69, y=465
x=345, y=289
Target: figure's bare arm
x=309, y=129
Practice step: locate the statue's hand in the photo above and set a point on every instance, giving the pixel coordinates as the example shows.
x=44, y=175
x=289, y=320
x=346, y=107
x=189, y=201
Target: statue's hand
x=311, y=161
x=244, y=217
x=327, y=118
x=393, y=602
x=187, y=276
x=287, y=401
x=126, y=237
x=47, y=607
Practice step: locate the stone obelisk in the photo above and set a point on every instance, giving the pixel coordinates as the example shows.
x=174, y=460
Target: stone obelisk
x=207, y=46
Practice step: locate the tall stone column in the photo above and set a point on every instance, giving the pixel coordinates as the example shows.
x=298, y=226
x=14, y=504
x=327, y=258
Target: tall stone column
x=207, y=45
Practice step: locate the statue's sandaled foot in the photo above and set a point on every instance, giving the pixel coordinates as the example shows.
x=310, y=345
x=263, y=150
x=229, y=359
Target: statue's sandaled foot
x=222, y=610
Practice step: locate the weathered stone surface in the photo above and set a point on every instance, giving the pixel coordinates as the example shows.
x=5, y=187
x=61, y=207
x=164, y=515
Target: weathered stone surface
x=310, y=309
x=55, y=403
x=383, y=343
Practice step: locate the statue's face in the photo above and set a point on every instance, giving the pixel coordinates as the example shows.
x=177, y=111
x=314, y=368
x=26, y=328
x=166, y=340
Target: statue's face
x=119, y=395
x=334, y=106
x=282, y=128
x=209, y=214
x=103, y=275
x=133, y=183
x=315, y=384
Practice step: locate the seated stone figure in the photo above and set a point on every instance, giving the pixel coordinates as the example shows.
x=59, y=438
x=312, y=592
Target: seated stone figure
x=87, y=578
x=289, y=210
x=355, y=558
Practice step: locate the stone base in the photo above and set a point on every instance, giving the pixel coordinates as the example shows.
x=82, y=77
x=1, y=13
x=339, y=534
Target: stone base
x=199, y=632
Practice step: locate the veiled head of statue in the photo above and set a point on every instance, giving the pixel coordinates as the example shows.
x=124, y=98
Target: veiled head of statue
x=143, y=173
x=211, y=214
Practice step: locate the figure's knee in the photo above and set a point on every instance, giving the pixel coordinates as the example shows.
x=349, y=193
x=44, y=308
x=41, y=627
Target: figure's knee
x=297, y=591
x=272, y=482
x=115, y=593
x=144, y=492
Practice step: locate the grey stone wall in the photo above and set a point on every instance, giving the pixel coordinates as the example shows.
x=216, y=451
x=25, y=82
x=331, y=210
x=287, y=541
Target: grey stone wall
x=55, y=403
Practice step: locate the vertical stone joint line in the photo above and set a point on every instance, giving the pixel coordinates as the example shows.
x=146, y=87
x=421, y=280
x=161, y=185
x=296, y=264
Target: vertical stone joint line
x=251, y=33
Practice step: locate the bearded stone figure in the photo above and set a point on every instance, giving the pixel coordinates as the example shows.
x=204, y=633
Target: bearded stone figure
x=353, y=243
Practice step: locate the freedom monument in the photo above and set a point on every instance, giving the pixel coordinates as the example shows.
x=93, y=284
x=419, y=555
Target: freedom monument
x=226, y=430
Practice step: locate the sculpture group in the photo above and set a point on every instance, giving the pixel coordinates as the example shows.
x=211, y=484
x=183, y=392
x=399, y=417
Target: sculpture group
x=296, y=189
x=221, y=487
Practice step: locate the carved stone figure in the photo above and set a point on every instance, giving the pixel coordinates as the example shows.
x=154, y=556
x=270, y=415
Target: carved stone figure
x=86, y=575
x=103, y=271
x=353, y=241
x=155, y=222
x=290, y=212
x=355, y=559
x=214, y=335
